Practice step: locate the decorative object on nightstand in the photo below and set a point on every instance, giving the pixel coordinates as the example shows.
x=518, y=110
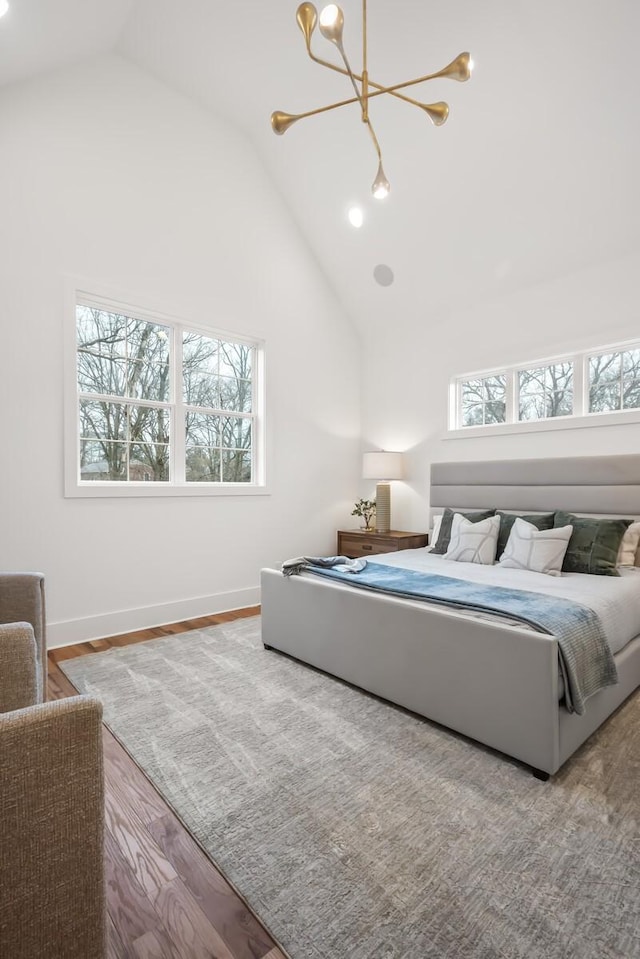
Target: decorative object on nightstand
x=356, y=542
x=365, y=508
x=384, y=466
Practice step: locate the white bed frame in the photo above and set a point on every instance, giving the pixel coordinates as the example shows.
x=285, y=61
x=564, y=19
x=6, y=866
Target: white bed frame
x=498, y=684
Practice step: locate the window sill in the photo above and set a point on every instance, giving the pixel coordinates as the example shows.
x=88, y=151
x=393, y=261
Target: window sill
x=618, y=418
x=148, y=491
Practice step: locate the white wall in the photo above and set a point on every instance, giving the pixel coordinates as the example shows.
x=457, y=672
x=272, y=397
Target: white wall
x=108, y=175
x=407, y=377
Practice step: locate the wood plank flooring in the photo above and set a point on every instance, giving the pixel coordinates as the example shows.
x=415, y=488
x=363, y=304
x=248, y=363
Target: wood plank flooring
x=165, y=898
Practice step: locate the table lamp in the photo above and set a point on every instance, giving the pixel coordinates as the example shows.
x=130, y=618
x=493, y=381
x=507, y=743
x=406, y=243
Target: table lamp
x=383, y=466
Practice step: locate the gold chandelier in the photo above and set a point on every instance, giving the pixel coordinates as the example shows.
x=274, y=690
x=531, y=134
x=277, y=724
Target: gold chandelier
x=331, y=22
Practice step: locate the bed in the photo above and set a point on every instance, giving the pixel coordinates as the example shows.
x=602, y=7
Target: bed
x=496, y=682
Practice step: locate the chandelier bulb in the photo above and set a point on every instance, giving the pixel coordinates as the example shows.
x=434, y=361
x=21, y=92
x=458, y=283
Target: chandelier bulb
x=459, y=69
x=280, y=122
x=329, y=14
x=437, y=112
x=381, y=185
x=332, y=23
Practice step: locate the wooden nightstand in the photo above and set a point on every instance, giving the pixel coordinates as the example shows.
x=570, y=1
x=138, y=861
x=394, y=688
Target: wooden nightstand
x=355, y=542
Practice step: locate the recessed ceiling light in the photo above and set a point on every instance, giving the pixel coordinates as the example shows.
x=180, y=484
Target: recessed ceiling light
x=356, y=216
x=4, y=6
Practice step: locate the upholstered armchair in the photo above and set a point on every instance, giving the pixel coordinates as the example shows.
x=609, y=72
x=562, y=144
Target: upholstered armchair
x=52, y=903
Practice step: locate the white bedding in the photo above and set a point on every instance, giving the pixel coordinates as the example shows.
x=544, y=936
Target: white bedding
x=614, y=599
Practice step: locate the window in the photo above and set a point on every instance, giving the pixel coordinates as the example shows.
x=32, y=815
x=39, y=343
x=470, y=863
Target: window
x=578, y=389
x=614, y=381
x=217, y=388
x=484, y=400
x=123, y=390
x=159, y=404
x=545, y=391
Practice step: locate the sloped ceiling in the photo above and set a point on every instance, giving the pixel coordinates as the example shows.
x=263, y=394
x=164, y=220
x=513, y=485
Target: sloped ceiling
x=533, y=176
x=39, y=35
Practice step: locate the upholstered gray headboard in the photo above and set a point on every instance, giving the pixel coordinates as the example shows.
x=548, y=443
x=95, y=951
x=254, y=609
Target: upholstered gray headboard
x=586, y=484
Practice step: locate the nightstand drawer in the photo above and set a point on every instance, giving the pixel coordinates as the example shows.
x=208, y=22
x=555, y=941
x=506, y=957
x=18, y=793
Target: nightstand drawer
x=359, y=546
x=355, y=542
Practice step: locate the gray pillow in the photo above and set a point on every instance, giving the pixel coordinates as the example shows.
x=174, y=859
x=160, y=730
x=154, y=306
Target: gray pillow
x=539, y=520
x=593, y=547
x=444, y=537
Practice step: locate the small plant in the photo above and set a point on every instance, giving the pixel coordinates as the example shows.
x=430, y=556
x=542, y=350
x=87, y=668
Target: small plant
x=365, y=508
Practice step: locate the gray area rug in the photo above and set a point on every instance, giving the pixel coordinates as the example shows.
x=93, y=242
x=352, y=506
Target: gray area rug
x=358, y=831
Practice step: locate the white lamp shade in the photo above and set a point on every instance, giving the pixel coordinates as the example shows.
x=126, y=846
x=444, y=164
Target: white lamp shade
x=382, y=465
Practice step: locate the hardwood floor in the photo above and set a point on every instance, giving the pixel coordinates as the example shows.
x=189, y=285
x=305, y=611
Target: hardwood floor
x=165, y=898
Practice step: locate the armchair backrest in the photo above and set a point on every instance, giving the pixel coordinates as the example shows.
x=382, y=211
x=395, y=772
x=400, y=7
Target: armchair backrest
x=20, y=673
x=52, y=897
x=22, y=601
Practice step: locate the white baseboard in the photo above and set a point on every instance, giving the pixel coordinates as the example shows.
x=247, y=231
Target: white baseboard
x=70, y=631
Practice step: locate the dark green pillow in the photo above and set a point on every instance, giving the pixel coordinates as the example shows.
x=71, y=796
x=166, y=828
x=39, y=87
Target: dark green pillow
x=539, y=520
x=447, y=519
x=593, y=547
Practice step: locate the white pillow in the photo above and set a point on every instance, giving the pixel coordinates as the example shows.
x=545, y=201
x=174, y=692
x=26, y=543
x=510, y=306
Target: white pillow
x=629, y=546
x=540, y=550
x=473, y=542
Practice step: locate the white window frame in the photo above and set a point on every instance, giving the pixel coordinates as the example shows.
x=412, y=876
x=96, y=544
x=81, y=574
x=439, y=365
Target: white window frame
x=579, y=419
x=604, y=352
x=91, y=295
x=576, y=402
x=484, y=376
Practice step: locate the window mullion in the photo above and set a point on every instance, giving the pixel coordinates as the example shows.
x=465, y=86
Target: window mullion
x=511, y=397
x=252, y=420
x=178, y=426
x=580, y=405
x=621, y=393
x=122, y=400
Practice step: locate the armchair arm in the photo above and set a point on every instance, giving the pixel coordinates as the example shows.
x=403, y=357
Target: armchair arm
x=22, y=601
x=20, y=684
x=52, y=901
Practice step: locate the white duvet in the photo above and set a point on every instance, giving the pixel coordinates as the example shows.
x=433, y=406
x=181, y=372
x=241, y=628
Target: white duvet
x=614, y=599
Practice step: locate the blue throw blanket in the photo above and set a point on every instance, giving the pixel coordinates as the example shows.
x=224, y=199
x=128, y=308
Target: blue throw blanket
x=586, y=661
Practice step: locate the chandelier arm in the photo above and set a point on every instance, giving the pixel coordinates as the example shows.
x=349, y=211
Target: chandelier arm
x=349, y=72
x=377, y=86
x=440, y=110
x=408, y=83
x=331, y=106
x=363, y=105
x=375, y=139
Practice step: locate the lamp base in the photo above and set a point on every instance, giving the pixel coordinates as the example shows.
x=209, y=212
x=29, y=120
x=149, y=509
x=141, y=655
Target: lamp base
x=383, y=507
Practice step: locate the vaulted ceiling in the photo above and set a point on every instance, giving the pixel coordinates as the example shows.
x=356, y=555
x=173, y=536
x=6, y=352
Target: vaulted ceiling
x=533, y=176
